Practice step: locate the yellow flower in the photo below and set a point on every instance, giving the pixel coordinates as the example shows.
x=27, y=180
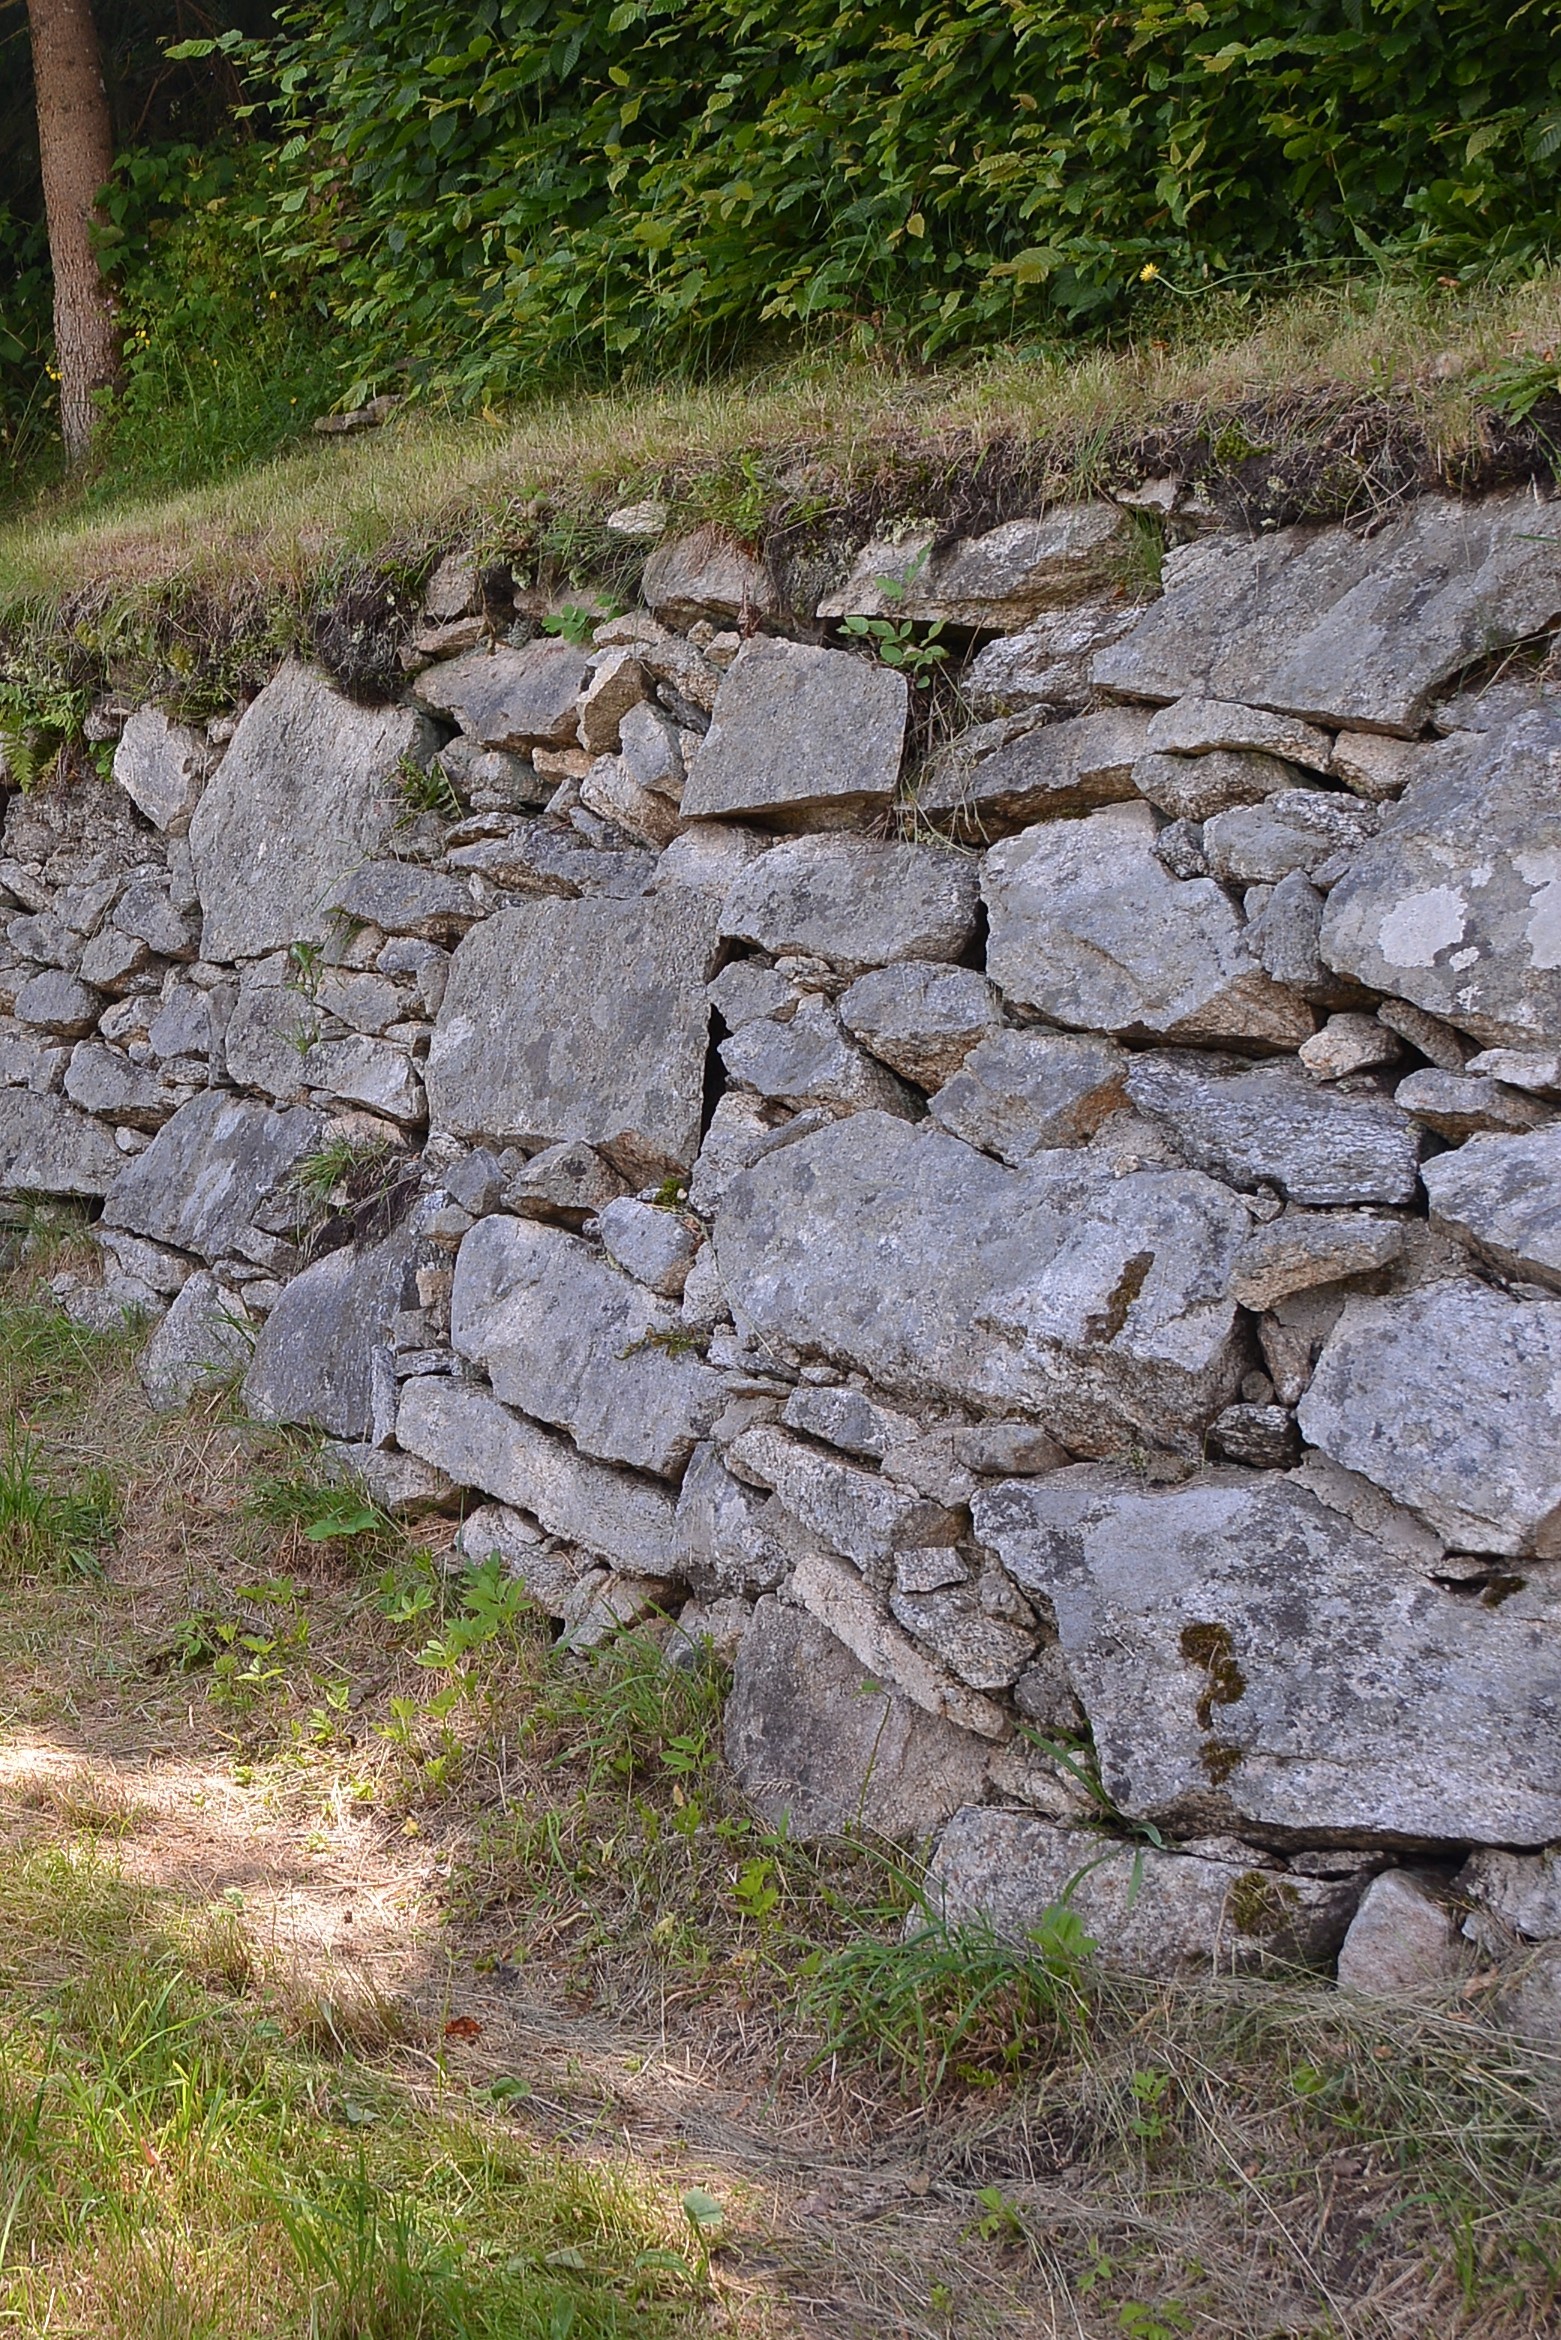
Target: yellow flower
x=1148, y=272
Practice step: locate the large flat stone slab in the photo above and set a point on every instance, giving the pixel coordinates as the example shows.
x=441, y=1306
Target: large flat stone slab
x=1456, y=905
x=1098, y=1306
x=209, y=1170
x=819, y=1746
x=1268, y=1124
x=1089, y=926
x=1147, y=1911
x=583, y=1019
x=1448, y=1399
x=508, y=698
x=1245, y=1653
x=856, y=902
x=48, y=1146
x=801, y=737
x=1004, y=775
x=479, y=1443
x=567, y=1338
x=993, y=582
x=1502, y=1196
x=314, y=1355
x=1343, y=629
x=306, y=791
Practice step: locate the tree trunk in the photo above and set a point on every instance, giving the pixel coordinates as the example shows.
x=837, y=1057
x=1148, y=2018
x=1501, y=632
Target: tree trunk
x=76, y=141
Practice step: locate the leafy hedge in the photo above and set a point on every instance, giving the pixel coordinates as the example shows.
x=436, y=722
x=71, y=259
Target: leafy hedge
x=519, y=187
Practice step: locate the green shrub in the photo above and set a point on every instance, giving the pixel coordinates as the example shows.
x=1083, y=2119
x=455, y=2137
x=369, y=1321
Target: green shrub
x=491, y=192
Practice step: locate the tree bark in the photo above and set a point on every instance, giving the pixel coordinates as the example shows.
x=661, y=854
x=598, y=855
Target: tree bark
x=76, y=142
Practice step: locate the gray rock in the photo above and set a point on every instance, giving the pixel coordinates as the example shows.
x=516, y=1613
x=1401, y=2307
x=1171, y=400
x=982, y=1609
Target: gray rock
x=1088, y=926
x=1198, y=727
x=1521, y=1891
x=855, y=902
x=1267, y=1124
x=550, y=1572
x=561, y=1334
x=313, y=1360
x=1456, y=906
x=1339, y=628
x=362, y=1001
x=58, y=1003
x=1531, y=2002
x=400, y=898
x=1262, y=1436
x=847, y=1419
x=161, y=767
x=1461, y=1105
x=566, y=1184
x=1200, y=788
x=365, y=1071
x=920, y=1019
x=1283, y=937
x=728, y=1539
x=1294, y=829
x=1148, y=1911
x=652, y=750
x=1047, y=665
x=994, y=582
x=1302, y=1249
x=655, y=1246
x=747, y=990
x=113, y=960
x=1022, y=1093
x=599, y=1612
x=1374, y=767
x=1448, y=1050
x=1517, y=1068
x=208, y=1171
x=1007, y=1450
x=146, y=913
x=549, y=857
x=1099, y=1305
x=618, y=683
x=580, y=1020
x=103, y=1082
x=801, y=737
x=707, y=575
x=1402, y=1939
x=505, y=698
x=709, y=856
x=810, y=1061
x=201, y=1344
x=269, y=1032
x=1502, y=1196
x=1180, y=846
x=479, y=1443
x=189, y=1023
x=50, y=1147
x=1005, y=774
x=1246, y=1653
x=1293, y=1335
x=854, y=1511
x=306, y=791
x=1349, y=1044
x=1446, y=1398
x=984, y=1651
x=819, y=1747
x=397, y=1484
x=832, y=1591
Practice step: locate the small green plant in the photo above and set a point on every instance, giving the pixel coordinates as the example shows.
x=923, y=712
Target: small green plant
x=576, y=622
x=945, y=2003
x=1000, y=2219
x=896, y=639
x=427, y=788
x=45, y=1527
x=343, y=1169
x=1516, y=386
x=305, y=968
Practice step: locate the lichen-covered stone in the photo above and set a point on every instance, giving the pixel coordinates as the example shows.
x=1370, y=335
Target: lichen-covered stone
x=1089, y=926
x=1247, y=1653
x=856, y=902
x=1098, y=1305
x=1268, y=1124
x=208, y=1171
x=1021, y=1093
x=801, y=737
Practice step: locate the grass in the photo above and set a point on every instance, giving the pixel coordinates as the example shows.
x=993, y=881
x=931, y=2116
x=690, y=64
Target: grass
x=370, y=1970
x=788, y=437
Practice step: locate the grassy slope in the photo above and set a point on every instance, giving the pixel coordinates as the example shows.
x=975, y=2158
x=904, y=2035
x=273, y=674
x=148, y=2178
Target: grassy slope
x=426, y=479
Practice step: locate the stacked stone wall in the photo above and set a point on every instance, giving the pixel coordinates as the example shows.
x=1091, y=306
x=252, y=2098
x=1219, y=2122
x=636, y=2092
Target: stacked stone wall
x=1046, y=1253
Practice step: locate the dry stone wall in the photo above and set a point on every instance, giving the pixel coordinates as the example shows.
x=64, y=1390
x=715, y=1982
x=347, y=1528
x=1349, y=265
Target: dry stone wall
x=1054, y=1245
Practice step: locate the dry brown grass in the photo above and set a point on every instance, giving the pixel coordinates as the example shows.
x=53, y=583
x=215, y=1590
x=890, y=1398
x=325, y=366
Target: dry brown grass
x=1418, y=354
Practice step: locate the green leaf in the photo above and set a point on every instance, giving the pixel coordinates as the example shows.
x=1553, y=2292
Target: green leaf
x=704, y=2213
